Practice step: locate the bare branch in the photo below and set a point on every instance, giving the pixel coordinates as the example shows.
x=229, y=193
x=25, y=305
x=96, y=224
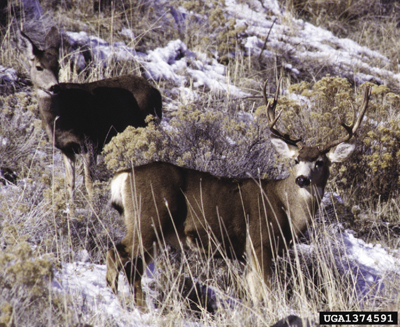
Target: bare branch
x=266, y=39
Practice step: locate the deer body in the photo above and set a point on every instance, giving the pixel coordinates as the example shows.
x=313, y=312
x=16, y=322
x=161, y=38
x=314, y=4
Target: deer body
x=245, y=218
x=82, y=118
x=198, y=201
x=79, y=114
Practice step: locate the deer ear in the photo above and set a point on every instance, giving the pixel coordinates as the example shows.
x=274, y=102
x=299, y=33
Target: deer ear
x=340, y=152
x=25, y=45
x=53, y=39
x=284, y=149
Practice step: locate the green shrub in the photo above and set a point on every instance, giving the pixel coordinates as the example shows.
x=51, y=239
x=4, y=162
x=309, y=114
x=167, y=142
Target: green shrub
x=208, y=140
x=20, y=131
x=373, y=174
x=24, y=284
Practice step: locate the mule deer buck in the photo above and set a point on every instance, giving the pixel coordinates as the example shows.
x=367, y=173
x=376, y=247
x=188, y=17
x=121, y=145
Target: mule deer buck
x=246, y=218
x=82, y=118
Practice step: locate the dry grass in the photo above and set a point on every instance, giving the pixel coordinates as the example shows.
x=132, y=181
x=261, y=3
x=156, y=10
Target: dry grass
x=370, y=23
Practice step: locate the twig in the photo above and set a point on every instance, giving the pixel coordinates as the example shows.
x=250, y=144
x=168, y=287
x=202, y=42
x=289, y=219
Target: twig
x=266, y=40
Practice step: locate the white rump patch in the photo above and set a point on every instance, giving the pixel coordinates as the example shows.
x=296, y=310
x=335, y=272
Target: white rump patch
x=117, y=186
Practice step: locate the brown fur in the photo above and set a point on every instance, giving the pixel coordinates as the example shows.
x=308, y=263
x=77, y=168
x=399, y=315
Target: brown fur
x=309, y=153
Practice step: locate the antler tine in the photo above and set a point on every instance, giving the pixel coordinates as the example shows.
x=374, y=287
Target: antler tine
x=271, y=105
x=352, y=129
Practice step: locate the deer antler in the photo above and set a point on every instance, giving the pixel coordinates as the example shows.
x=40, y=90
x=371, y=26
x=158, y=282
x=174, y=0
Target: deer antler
x=271, y=105
x=351, y=130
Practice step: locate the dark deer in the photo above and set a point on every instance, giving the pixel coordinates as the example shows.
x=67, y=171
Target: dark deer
x=246, y=218
x=82, y=118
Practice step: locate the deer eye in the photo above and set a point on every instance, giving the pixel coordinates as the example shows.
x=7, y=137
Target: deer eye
x=319, y=164
x=296, y=161
x=39, y=68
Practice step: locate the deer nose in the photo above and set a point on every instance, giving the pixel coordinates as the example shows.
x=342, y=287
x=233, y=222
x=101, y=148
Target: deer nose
x=302, y=181
x=55, y=89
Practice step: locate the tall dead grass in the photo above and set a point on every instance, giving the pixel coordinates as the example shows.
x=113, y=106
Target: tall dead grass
x=373, y=24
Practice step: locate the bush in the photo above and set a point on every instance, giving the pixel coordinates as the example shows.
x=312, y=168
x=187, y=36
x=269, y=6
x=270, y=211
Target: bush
x=208, y=140
x=373, y=174
x=24, y=285
x=20, y=131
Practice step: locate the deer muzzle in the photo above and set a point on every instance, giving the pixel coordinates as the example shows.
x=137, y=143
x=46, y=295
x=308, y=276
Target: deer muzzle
x=303, y=181
x=55, y=89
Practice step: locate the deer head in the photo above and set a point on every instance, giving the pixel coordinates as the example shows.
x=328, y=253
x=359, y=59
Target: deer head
x=312, y=163
x=44, y=66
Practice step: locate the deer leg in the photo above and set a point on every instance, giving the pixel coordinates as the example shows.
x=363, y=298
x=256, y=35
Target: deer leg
x=116, y=260
x=119, y=258
x=89, y=162
x=134, y=271
x=259, y=275
x=69, y=163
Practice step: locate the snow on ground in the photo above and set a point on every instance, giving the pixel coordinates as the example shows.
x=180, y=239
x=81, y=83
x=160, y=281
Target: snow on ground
x=86, y=284
x=306, y=43
x=8, y=75
x=370, y=264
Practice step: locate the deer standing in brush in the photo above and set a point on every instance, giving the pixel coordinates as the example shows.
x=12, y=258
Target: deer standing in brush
x=82, y=118
x=245, y=218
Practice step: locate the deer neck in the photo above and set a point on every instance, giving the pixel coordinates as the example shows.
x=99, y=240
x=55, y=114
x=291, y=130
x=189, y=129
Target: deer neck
x=48, y=109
